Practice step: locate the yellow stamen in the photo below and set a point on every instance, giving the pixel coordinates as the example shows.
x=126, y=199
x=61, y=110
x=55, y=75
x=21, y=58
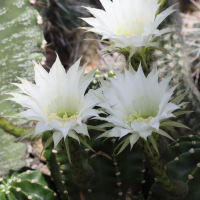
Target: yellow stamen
x=121, y=30
x=136, y=117
x=65, y=118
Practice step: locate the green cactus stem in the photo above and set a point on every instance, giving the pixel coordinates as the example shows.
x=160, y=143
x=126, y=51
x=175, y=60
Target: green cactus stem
x=170, y=186
x=12, y=129
x=183, y=164
x=113, y=175
x=58, y=164
x=82, y=173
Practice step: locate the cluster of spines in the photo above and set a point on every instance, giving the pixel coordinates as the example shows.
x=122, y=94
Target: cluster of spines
x=95, y=84
x=176, y=63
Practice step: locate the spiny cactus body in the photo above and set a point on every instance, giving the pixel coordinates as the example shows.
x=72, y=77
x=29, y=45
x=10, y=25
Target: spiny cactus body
x=176, y=64
x=115, y=175
x=26, y=184
x=112, y=175
x=183, y=164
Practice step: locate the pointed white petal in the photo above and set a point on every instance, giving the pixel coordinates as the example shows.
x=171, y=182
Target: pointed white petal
x=82, y=129
x=124, y=132
x=68, y=126
x=145, y=134
x=155, y=123
x=72, y=134
x=41, y=127
x=115, y=132
x=92, y=21
x=133, y=139
x=57, y=136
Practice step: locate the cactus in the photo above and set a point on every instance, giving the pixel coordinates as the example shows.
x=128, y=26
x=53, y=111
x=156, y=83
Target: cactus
x=182, y=160
x=164, y=180
x=26, y=184
x=104, y=175
x=176, y=64
x=112, y=175
x=21, y=40
x=192, y=41
x=11, y=153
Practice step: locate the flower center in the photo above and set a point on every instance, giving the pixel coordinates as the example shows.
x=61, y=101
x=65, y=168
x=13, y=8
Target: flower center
x=63, y=117
x=131, y=27
x=122, y=31
x=63, y=108
x=136, y=117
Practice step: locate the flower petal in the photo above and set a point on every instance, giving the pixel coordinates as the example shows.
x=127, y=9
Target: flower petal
x=133, y=139
x=57, y=136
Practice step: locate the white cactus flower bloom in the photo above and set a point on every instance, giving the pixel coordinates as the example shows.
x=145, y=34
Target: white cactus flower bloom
x=129, y=24
x=137, y=105
x=57, y=100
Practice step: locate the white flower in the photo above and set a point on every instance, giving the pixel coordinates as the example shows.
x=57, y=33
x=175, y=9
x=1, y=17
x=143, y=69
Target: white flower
x=137, y=105
x=57, y=100
x=129, y=24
